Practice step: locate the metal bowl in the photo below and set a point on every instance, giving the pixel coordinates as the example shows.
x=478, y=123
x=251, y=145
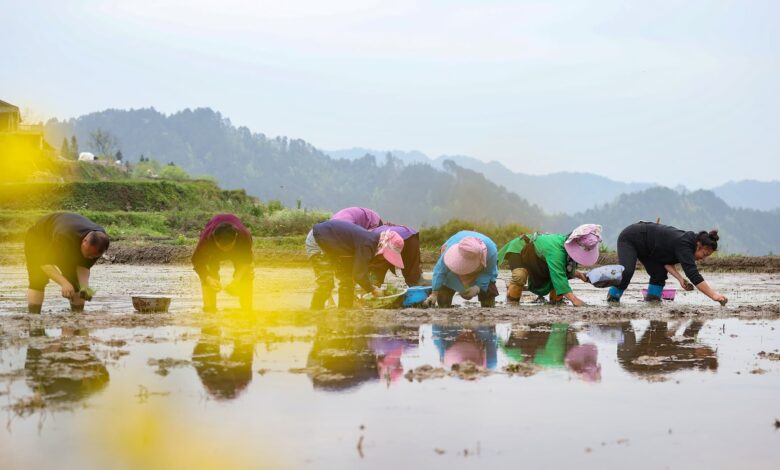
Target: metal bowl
x=151, y=303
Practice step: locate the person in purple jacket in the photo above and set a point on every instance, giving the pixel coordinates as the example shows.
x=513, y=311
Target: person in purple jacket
x=410, y=255
x=343, y=249
x=359, y=216
x=225, y=238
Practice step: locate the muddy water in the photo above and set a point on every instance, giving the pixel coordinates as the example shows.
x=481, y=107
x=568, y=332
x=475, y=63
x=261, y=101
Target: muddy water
x=332, y=394
x=682, y=385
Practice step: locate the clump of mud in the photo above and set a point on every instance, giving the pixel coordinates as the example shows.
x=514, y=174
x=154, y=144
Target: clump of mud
x=464, y=371
x=165, y=364
x=147, y=254
x=772, y=356
x=521, y=369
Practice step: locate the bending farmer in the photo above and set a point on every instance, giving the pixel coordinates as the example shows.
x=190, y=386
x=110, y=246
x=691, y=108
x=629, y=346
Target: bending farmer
x=659, y=248
x=547, y=262
x=343, y=248
x=467, y=265
x=62, y=247
x=410, y=255
x=360, y=216
x=225, y=238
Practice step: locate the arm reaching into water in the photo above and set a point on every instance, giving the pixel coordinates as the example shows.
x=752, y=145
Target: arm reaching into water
x=711, y=293
x=672, y=269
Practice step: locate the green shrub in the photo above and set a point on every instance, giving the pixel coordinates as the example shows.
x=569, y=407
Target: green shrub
x=434, y=237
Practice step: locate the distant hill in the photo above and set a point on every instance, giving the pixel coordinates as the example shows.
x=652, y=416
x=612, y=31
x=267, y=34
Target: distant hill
x=751, y=194
x=573, y=192
x=291, y=170
x=743, y=231
x=203, y=142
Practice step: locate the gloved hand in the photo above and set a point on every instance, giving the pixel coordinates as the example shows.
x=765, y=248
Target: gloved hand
x=470, y=293
x=429, y=302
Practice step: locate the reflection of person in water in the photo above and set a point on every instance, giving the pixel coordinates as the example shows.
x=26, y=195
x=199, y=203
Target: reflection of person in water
x=224, y=378
x=341, y=358
x=457, y=345
x=388, y=348
x=63, y=368
x=553, y=346
x=669, y=352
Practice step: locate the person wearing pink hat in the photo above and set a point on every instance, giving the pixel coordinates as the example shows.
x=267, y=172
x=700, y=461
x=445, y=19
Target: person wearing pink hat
x=467, y=265
x=348, y=250
x=546, y=262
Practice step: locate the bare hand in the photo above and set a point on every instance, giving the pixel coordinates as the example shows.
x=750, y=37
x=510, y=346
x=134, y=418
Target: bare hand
x=686, y=285
x=577, y=302
x=582, y=276
x=377, y=292
x=68, y=291
x=214, y=284
x=720, y=298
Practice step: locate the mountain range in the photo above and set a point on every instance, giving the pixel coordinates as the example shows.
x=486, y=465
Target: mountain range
x=409, y=187
x=574, y=191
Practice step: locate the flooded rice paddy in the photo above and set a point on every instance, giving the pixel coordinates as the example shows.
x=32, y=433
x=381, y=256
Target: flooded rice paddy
x=681, y=385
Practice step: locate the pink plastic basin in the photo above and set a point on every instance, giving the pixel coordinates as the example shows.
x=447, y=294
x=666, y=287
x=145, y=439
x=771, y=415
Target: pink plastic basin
x=666, y=294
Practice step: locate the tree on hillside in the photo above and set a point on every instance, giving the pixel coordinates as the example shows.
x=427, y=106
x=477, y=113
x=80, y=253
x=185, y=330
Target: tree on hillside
x=118, y=156
x=65, y=148
x=103, y=142
x=74, y=148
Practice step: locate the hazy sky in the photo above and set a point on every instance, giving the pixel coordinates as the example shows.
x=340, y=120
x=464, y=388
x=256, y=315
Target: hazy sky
x=675, y=92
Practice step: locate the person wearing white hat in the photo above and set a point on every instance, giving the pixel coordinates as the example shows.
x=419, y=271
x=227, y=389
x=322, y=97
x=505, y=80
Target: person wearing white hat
x=546, y=262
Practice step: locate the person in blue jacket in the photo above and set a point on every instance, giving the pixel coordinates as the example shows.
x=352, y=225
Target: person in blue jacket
x=467, y=265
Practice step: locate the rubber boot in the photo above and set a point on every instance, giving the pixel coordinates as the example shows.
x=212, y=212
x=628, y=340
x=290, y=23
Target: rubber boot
x=613, y=296
x=654, y=292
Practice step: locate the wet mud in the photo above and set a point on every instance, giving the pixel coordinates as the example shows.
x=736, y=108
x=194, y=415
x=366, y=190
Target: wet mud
x=589, y=386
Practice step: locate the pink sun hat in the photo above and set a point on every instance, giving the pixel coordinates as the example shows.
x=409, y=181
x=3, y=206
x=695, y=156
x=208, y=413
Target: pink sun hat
x=583, y=244
x=390, y=246
x=466, y=256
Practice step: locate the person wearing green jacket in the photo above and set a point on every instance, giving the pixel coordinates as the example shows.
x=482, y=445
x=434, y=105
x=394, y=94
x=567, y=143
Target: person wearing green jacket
x=546, y=262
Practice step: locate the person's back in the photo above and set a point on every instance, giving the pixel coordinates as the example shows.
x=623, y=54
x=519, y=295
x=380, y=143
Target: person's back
x=666, y=241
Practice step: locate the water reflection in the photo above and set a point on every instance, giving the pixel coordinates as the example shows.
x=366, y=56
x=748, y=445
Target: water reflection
x=661, y=348
x=63, y=367
x=223, y=361
x=341, y=356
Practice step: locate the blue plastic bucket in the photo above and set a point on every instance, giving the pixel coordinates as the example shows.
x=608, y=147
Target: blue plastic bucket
x=416, y=295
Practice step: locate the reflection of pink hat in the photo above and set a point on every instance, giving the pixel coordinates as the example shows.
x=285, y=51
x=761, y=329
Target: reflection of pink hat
x=466, y=256
x=583, y=244
x=467, y=348
x=390, y=246
x=583, y=360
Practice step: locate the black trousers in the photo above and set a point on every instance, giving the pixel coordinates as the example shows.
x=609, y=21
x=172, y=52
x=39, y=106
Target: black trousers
x=632, y=245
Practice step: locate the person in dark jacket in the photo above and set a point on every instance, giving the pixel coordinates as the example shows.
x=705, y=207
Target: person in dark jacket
x=225, y=238
x=660, y=247
x=410, y=255
x=348, y=250
x=62, y=247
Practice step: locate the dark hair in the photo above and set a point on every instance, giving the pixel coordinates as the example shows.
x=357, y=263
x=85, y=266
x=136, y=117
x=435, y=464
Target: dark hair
x=99, y=240
x=225, y=233
x=709, y=239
